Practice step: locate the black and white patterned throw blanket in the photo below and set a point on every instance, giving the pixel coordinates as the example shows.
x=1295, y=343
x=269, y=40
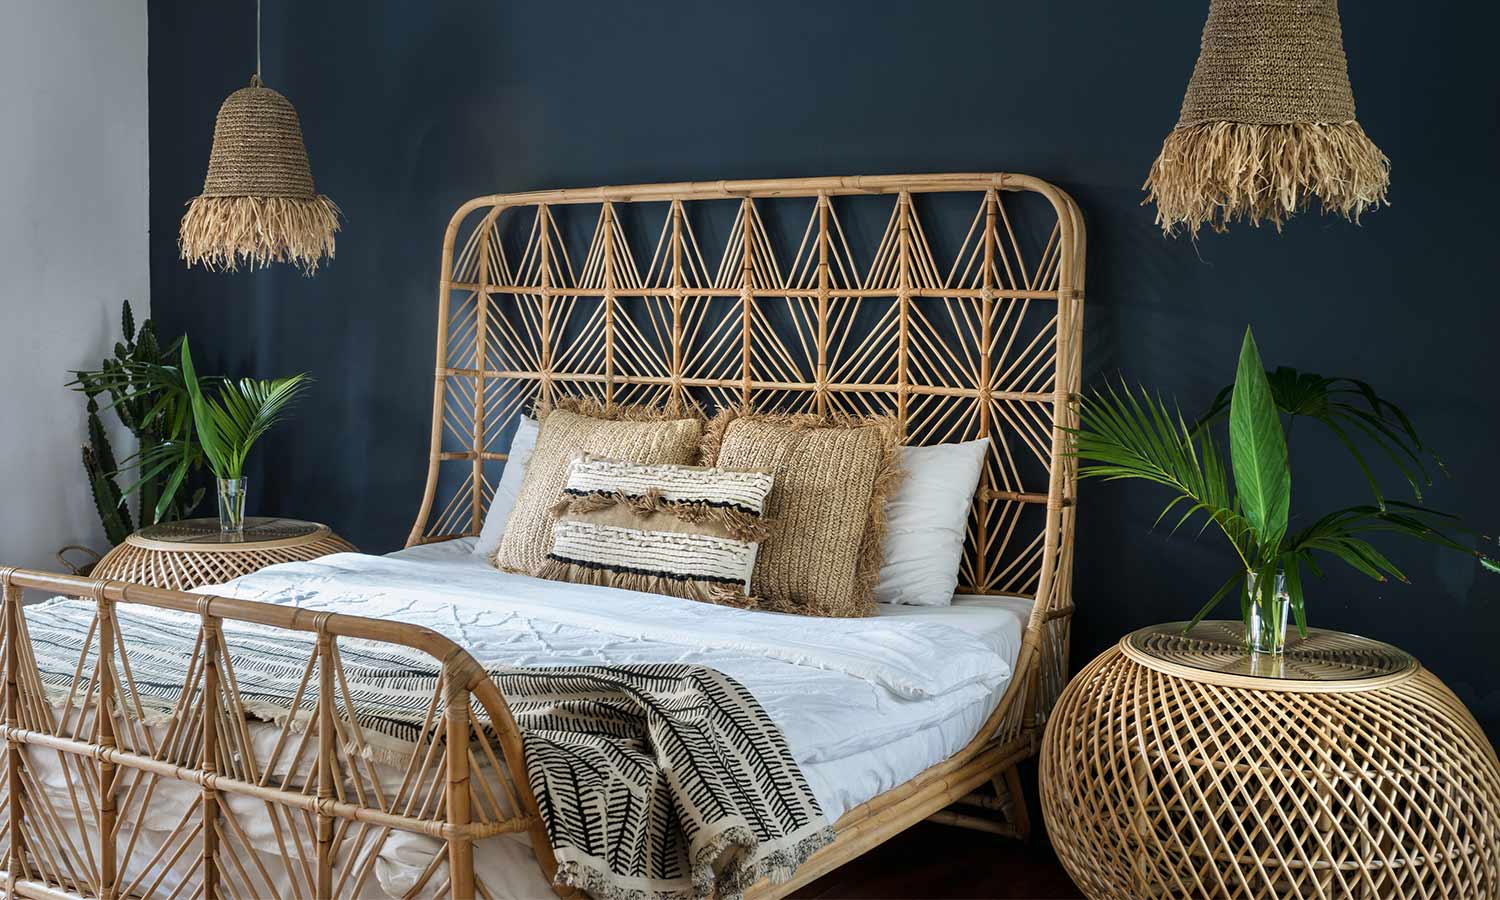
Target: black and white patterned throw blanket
x=654, y=781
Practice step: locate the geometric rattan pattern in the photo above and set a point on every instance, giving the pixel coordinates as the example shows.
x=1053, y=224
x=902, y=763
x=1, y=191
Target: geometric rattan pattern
x=183, y=555
x=1216, y=649
x=1170, y=784
x=951, y=302
x=331, y=812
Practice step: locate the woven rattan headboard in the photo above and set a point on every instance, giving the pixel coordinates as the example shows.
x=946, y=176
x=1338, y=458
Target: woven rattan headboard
x=953, y=301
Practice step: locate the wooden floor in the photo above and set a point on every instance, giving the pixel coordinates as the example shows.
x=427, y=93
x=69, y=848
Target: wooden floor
x=939, y=861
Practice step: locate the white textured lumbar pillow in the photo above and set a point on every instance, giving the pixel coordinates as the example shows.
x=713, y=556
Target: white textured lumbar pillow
x=504, y=502
x=926, y=518
x=683, y=531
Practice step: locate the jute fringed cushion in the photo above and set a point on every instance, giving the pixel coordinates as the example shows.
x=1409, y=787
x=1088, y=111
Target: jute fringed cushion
x=568, y=428
x=827, y=505
x=684, y=531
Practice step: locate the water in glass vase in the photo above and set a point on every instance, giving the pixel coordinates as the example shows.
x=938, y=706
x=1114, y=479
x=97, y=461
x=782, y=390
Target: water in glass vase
x=232, y=507
x=1266, y=617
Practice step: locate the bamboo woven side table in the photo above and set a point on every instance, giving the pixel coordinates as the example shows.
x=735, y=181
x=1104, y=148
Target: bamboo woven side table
x=183, y=555
x=1173, y=767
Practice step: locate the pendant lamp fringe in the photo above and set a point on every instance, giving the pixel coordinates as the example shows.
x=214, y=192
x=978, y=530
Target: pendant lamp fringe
x=223, y=233
x=1215, y=173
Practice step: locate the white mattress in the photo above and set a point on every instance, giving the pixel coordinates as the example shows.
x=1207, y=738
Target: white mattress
x=865, y=704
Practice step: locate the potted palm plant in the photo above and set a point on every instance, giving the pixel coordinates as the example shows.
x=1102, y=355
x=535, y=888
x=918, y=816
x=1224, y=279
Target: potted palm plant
x=1132, y=434
x=229, y=418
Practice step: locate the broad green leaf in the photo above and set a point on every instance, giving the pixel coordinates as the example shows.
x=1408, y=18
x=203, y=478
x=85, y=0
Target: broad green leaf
x=204, y=419
x=1351, y=409
x=1257, y=449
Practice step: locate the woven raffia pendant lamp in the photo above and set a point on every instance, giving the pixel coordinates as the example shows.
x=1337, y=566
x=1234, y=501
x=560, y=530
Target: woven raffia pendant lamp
x=1267, y=123
x=258, y=204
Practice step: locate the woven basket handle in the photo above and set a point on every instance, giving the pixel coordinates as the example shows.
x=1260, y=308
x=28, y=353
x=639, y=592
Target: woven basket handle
x=82, y=568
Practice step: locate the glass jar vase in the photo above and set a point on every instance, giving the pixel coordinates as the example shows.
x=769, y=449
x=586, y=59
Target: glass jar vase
x=232, y=506
x=1266, y=616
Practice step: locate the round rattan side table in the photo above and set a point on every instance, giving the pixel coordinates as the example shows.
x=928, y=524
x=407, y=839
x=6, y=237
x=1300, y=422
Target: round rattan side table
x=183, y=555
x=1175, y=765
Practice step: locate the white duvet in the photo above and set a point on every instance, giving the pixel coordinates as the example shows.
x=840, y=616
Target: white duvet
x=865, y=704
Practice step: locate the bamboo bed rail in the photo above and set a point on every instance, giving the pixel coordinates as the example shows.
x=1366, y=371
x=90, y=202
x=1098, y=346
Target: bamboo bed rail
x=330, y=814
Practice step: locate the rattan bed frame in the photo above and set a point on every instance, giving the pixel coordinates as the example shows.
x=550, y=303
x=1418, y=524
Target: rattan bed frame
x=984, y=345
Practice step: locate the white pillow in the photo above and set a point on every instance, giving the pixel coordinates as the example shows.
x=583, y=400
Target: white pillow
x=504, y=501
x=925, y=522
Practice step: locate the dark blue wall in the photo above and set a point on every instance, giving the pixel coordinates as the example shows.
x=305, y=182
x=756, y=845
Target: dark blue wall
x=411, y=108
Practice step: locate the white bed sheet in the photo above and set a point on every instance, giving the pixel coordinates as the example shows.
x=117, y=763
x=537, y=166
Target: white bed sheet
x=853, y=740
x=865, y=705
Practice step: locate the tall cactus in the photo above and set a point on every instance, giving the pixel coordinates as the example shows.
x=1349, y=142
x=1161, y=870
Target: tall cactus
x=131, y=383
x=99, y=466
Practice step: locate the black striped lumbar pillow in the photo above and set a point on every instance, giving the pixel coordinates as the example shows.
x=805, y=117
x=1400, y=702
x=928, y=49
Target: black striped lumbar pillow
x=684, y=531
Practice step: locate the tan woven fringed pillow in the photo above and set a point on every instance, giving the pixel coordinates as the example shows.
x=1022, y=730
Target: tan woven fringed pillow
x=684, y=531
x=827, y=505
x=632, y=433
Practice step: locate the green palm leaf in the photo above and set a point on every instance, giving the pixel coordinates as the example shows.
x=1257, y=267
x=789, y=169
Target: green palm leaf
x=1131, y=434
x=239, y=414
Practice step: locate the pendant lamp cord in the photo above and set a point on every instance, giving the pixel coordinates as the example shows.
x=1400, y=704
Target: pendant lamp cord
x=257, y=42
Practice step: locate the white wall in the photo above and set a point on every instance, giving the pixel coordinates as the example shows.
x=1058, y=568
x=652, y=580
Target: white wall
x=73, y=220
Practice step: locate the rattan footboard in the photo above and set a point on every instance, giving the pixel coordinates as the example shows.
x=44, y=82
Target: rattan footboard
x=330, y=815
x=332, y=818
